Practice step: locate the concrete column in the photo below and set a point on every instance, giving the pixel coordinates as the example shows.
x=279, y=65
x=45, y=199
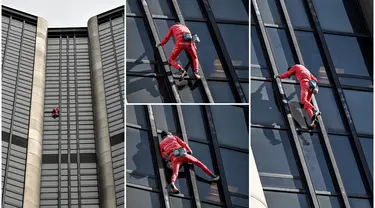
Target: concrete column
x=257, y=196
x=103, y=145
x=35, y=137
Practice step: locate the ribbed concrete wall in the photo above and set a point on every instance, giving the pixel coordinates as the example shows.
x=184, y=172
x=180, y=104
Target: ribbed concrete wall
x=258, y=199
x=103, y=146
x=35, y=137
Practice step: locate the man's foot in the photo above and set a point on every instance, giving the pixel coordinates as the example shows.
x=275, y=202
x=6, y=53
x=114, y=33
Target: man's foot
x=196, y=73
x=215, y=177
x=314, y=119
x=182, y=72
x=174, y=189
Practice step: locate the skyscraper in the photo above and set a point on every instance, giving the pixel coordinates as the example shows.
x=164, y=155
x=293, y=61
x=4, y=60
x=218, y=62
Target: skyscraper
x=75, y=160
x=330, y=166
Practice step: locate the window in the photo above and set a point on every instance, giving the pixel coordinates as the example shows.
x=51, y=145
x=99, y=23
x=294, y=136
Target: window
x=348, y=55
x=274, y=156
x=142, y=198
x=347, y=165
x=269, y=11
x=257, y=56
x=165, y=118
x=329, y=201
x=139, y=165
x=221, y=92
x=357, y=102
x=311, y=55
x=230, y=126
x=236, y=12
x=369, y=151
x=141, y=67
x=237, y=46
x=346, y=18
x=278, y=199
x=132, y=6
x=281, y=49
x=180, y=202
x=359, y=203
x=194, y=124
x=206, y=191
x=264, y=110
x=190, y=93
x=135, y=114
x=236, y=165
x=160, y=7
x=137, y=40
x=297, y=13
x=245, y=88
x=146, y=90
x=316, y=162
x=190, y=9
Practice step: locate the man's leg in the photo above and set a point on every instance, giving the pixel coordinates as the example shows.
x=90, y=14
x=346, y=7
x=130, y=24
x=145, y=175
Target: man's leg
x=172, y=58
x=305, y=101
x=175, y=169
x=195, y=161
x=193, y=54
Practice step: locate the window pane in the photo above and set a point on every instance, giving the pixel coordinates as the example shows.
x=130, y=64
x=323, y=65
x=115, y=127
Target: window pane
x=135, y=114
x=363, y=203
x=237, y=10
x=258, y=62
x=245, y=88
x=139, y=159
x=357, y=102
x=133, y=7
x=269, y=11
x=146, y=90
x=347, y=165
x=368, y=149
x=328, y=202
x=347, y=55
x=165, y=118
x=180, y=202
x=311, y=55
x=190, y=9
x=238, y=45
x=346, y=18
x=316, y=162
x=194, y=124
x=237, y=173
x=208, y=58
x=205, y=205
x=239, y=201
x=190, y=93
x=273, y=155
x=142, y=198
x=160, y=7
x=277, y=199
x=230, y=126
x=141, y=67
x=138, y=41
x=280, y=49
x=297, y=13
x=206, y=190
x=221, y=92
x=263, y=103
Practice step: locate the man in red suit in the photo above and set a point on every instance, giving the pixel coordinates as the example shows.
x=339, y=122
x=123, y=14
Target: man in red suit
x=55, y=113
x=184, y=41
x=176, y=150
x=308, y=87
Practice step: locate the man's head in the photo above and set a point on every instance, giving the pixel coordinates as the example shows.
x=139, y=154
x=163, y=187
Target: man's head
x=165, y=134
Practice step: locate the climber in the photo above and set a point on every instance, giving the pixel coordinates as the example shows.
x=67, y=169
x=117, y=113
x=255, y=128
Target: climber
x=55, y=112
x=176, y=150
x=184, y=40
x=308, y=85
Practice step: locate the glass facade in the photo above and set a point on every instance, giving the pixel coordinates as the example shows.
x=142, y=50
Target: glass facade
x=300, y=167
x=223, y=52
x=212, y=141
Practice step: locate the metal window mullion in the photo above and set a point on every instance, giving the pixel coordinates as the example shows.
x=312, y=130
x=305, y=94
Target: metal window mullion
x=117, y=67
x=172, y=88
x=226, y=60
x=157, y=161
x=215, y=152
x=59, y=125
x=207, y=92
x=341, y=101
x=6, y=45
x=326, y=142
x=191, y=171
x=12, y=118
x=77, y=125
x=281, y=99
x=68, y=117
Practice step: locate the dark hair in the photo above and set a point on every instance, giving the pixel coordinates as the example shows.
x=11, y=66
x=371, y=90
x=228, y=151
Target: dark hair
x=165, y=134
x=289, y=68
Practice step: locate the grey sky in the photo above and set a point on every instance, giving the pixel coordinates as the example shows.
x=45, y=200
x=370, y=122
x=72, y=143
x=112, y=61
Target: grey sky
x=64, y=13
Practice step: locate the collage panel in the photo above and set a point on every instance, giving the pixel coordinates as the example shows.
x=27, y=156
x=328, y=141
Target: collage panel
x=212, y=172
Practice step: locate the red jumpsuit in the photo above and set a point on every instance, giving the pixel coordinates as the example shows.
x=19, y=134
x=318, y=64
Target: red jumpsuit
x=55, y=112
x=171, y=143
x=178, y=32
x=303, y=75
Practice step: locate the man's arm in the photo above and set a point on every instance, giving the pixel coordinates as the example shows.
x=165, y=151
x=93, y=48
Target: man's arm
x=162, y=153
x=183, y=144
x=167, y=36
x=313, y=78
x=288, y=73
